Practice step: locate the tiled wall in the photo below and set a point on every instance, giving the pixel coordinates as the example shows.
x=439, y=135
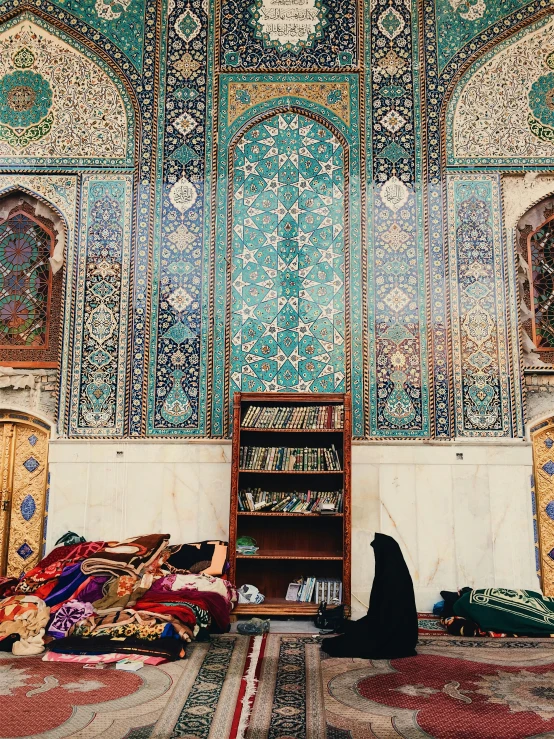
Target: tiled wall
x=272, y=196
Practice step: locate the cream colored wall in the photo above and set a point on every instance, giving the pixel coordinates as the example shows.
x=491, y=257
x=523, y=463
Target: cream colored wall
x=458, y=521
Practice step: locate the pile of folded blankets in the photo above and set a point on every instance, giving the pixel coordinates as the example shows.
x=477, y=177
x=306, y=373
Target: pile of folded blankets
x=135, y=597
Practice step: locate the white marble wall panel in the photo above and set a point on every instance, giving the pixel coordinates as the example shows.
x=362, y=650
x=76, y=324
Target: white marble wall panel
x=458, y=521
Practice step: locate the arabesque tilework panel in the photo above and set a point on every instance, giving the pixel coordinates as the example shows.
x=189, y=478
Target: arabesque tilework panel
x=120, y=21
x=97, y=377
x=179, y=321
x=272, y=35
x=477, y=289
x=485, y=126
x=288, y=208
x=398, y=344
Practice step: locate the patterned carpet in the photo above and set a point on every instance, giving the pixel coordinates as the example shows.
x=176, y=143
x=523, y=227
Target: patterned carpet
x=234, y=686
x=277, y=687
x=455, y=688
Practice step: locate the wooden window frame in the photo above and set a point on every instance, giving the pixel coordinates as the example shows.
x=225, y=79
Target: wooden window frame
x=46, y=225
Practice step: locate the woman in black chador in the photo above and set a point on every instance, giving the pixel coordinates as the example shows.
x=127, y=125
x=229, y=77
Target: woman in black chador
x=389, y=630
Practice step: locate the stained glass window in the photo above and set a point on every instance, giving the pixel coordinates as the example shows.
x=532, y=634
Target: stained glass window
x=540, y=244
x=25, y=281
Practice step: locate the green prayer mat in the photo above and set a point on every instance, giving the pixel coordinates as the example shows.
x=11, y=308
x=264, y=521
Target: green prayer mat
x=521, y=612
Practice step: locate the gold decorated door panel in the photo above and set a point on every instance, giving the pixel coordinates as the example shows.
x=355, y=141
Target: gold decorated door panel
x=24, y=479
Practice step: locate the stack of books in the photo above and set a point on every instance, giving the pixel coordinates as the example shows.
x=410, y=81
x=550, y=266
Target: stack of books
x=312, y=501
x=315, y=589
x=294, y=417
x=328, y=591
x=305, y=459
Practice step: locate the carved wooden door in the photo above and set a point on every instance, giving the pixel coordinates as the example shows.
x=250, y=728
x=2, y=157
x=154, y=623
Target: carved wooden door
x=23, y=491
x=542, y=436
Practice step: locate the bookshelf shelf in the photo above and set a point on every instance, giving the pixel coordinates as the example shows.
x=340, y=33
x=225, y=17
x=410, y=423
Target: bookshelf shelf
x=272, y=606
x=292, y=431
x=294, y=472
x=279, y=554
x=309, y=545
x=323, y=517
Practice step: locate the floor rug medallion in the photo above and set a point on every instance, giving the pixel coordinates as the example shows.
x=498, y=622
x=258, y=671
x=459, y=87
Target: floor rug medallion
x=454, y=689
x=232, y=687
x=54, y=700
x=194, y=698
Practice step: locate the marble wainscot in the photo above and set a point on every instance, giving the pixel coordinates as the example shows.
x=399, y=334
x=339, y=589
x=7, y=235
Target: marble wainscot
x=461, y=512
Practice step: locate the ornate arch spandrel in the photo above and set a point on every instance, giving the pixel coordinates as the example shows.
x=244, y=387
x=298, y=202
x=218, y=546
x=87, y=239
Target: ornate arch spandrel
x=483, y=127
x=47, y=119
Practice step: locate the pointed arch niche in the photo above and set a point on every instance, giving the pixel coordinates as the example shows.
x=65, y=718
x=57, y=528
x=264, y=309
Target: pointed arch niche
x=288, y=206
x=32, y=244
x=287, y=256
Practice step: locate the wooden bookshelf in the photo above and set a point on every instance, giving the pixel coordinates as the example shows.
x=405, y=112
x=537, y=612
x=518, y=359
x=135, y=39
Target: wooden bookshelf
x=291, y=545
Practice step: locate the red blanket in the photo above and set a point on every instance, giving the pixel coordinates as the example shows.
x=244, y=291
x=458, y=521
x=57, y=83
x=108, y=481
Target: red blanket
x=173, y=604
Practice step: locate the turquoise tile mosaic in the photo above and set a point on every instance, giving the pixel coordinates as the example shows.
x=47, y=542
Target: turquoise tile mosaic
x=290, y=214
x=98, y=366
x=287, y=327
x=278, y=195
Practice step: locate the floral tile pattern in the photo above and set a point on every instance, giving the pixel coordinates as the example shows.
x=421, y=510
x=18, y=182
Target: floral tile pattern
x=97, y=400
x=121, y=21
x=37, y=69
x=482, y=399
x=521, y=127
x=287, y=311
x=265, y=35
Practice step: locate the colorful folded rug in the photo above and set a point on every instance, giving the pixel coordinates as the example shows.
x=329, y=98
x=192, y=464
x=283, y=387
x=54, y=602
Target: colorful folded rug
x=105, y=659
x=166, y=647
x=129, y=557
x=429, y=624
x=25, y=616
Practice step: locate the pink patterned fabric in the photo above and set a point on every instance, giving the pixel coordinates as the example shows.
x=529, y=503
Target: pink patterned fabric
x=88, y=659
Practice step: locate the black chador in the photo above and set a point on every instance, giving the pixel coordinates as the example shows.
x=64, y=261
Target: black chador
x=389, y=630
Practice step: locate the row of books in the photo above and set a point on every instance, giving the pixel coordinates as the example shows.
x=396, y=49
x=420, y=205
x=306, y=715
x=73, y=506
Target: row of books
x=311, y=501
x=286, y=458
x=294, y=417
x=316, y=590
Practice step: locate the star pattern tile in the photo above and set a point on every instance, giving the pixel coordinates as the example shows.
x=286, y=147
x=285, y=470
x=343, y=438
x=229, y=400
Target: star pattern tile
x=288, y=258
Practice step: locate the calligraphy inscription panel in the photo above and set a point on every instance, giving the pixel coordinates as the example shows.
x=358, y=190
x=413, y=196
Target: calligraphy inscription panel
x=288, y=23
